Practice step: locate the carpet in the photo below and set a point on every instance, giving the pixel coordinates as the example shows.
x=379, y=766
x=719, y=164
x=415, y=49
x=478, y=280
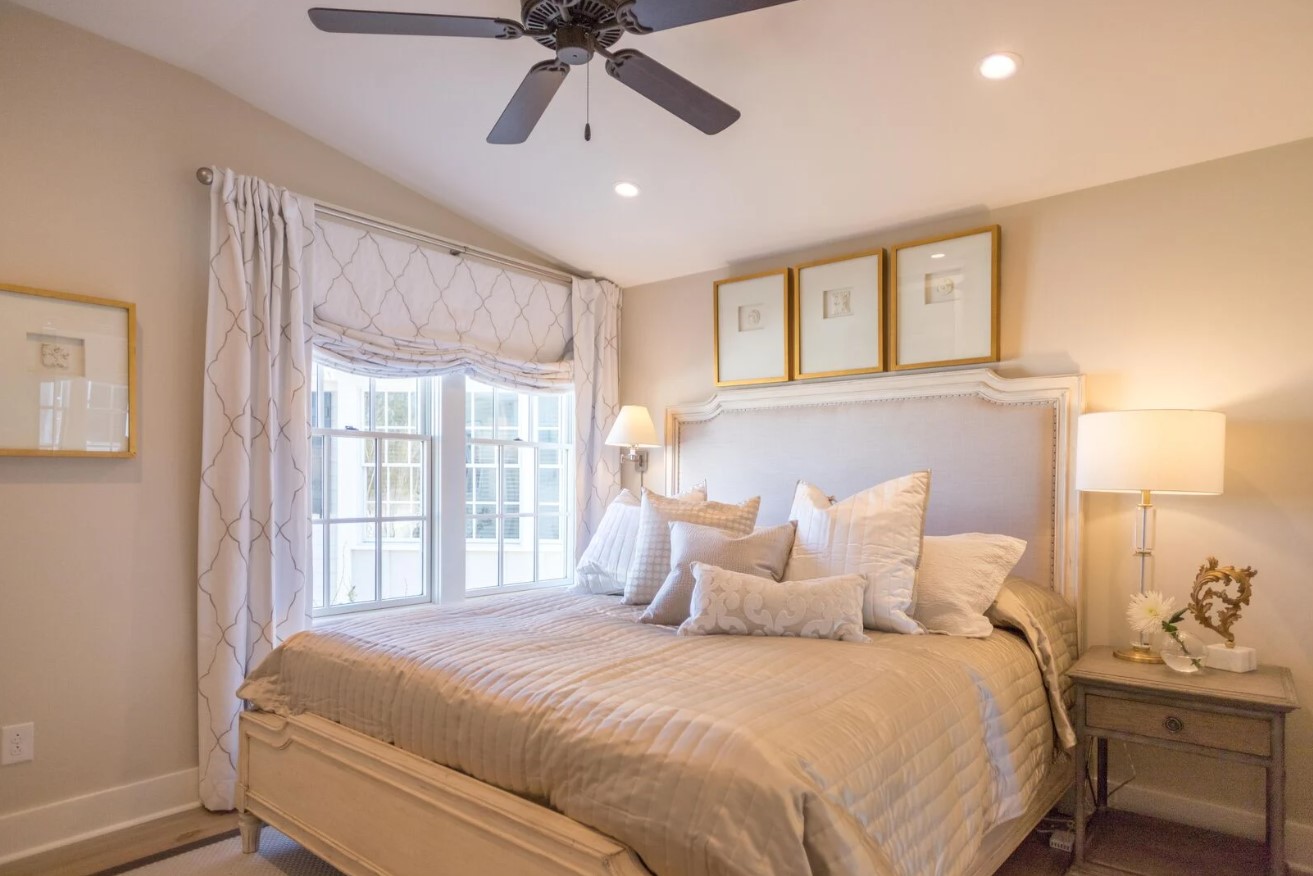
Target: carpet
x=278, y=856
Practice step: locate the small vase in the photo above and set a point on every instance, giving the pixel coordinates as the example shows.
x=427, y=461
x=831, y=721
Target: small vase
x=1187, y=655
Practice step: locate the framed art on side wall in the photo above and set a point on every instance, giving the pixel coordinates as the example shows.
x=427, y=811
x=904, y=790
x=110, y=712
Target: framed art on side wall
x=68, y=382
x=944, y=306
x=752, y=328
x=838, y=316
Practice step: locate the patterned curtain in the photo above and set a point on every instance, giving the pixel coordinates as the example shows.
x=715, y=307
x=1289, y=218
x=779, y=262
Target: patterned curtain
x=254, y=542
x=391, y=307
x=596, y=309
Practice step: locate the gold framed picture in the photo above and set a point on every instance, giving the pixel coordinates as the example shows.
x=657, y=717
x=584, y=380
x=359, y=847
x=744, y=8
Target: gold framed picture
x=838, y=316
x=943, y=308
x=752, y=328
x=68, y=374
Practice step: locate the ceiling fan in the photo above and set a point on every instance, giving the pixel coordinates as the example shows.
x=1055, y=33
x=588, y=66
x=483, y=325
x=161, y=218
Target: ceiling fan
x=575, y=30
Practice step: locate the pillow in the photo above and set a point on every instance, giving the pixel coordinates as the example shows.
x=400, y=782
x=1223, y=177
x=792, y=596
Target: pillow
x=651, y=562
x=959, y=577
x=605, y=562
x=875, y=533
x=763, y=552
x=734, y=604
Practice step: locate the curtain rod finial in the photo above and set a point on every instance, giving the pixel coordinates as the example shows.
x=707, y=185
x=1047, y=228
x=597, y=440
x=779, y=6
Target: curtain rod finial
x=205, y=175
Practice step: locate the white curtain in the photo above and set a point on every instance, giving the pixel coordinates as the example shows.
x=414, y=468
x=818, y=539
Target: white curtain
x=596, y=312
x=253, y=548
x=390, y=306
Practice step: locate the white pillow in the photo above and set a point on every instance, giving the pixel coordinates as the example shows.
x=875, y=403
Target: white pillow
x=651, y=563
x=959, y=579
x=735, y=604
x=605, y=561
x=875, y=533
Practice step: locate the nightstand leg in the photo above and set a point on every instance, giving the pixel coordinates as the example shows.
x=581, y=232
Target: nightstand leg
x=1102, y=800
x=1081, y=758
x=1276, y=800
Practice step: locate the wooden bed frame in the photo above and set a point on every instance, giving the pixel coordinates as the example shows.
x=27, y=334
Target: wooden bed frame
x=371, y=809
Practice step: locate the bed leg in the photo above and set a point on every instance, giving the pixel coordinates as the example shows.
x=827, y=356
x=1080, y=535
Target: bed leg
x=249, y=827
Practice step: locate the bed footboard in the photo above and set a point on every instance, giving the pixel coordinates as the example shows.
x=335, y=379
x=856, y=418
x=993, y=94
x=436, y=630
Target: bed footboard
x=370, y=809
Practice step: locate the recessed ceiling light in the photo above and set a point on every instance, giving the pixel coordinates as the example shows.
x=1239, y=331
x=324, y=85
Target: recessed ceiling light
x=937, y=255
x=1000, y=65
x=626, y=190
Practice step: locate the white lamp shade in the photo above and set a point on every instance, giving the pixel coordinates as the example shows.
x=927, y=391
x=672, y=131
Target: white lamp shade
x=633, y=428
x=1159, y=451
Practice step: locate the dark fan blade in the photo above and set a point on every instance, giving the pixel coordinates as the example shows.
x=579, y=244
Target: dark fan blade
x=645, y=16
x=413, y=24
x=529, y=103
x=670, y=91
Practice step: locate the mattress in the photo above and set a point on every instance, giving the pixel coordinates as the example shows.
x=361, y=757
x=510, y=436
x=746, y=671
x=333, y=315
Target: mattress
x=705, y=755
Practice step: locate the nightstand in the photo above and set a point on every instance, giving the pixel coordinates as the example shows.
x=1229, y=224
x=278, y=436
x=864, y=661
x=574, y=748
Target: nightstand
x=1224, y=715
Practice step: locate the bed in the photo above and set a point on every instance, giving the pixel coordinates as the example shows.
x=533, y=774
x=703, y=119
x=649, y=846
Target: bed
x=552, y=734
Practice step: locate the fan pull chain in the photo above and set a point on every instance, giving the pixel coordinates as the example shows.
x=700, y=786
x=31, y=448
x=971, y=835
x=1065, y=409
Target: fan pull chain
x=588, y=103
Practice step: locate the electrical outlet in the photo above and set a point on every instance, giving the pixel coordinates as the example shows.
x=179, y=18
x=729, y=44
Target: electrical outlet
x=1062, y=840
x=19, y=743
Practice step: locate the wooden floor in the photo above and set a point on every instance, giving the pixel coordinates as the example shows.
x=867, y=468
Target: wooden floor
x=1150, y=845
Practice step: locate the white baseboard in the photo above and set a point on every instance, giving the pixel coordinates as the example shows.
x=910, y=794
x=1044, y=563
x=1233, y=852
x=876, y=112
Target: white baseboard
x=32, y=831
x=1221, y=818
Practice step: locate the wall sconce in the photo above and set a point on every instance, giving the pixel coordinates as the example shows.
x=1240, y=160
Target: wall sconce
x=633, y=430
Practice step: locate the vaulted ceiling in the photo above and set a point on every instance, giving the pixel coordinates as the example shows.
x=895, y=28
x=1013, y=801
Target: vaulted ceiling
x=857, y=114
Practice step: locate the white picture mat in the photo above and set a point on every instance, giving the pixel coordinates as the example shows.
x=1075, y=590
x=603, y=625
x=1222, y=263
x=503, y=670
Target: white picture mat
x=840, y=343
x=960, y=328
x=83, y=406
x=760, y=352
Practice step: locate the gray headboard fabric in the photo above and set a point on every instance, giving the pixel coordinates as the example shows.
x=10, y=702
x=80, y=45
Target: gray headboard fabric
x=1000, y=452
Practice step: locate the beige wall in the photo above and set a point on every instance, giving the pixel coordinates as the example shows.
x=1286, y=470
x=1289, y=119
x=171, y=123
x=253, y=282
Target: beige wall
x=98, y=147
x=1189, y=288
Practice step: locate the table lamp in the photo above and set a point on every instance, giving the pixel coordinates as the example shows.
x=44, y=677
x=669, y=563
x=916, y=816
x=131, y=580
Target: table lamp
x=1150, y=452
x=634, y=430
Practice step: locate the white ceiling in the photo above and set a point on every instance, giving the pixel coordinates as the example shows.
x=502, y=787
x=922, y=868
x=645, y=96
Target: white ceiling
x=856, y=114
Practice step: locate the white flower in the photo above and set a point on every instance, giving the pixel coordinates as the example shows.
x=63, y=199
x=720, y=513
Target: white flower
x=1149, y=610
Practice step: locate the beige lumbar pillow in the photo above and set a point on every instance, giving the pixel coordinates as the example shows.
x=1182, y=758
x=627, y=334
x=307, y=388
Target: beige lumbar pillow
x=959, y=579
x=762, y=552
x=734, y=604
x=875, y=533
x=651, y=562
x=605, y=561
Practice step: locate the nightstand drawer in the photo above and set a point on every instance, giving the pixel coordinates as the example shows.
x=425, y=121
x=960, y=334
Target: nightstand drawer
x=1180, y=724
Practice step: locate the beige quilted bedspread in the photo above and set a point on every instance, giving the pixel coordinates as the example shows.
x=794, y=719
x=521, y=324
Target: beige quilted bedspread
x=706, y=755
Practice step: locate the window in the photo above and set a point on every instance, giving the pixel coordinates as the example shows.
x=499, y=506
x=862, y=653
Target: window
x=376, y=494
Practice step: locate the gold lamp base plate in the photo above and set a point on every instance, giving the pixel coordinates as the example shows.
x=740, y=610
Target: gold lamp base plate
x=1137, y=655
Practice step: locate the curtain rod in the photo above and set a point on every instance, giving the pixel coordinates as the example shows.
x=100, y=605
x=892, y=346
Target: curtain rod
x=206, y=177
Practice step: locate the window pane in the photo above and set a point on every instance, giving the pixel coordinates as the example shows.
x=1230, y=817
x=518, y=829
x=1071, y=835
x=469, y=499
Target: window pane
x=350, y=471
x=480, y=479
x=481, y=556
x=403, y=478
x=404, y=560
x=351, y=557
x=515, y=498
x=343, y=401
x=317, y=476
x=478, y=410
x=518, y=563
x=317, y=564
x=508, y=409
x=553, y=564
x=549, y=418
x=396, y=404
x=551, y=486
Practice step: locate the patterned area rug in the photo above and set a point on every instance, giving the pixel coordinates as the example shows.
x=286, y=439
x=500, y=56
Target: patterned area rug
x=278, y=856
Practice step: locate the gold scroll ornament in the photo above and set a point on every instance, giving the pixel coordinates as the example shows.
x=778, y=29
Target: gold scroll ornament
x=1211, y=584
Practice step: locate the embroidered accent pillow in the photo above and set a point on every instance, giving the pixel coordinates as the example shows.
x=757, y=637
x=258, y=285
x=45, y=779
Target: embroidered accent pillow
x=651, y=562
x=762, y=552
x=605, y=562
x=734, y=604
x=959, y=578
x=875, y=533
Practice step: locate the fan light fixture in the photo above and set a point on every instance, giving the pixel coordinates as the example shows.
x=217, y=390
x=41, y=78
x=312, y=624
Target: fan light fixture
x=1000, y=65
x=627, y=190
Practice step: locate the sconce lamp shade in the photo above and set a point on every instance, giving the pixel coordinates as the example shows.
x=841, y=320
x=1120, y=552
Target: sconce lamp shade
x=1158, y=451
x=633, y=428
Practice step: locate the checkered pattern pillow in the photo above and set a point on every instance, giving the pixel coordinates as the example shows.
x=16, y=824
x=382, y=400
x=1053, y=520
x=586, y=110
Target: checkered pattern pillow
x=651, y=562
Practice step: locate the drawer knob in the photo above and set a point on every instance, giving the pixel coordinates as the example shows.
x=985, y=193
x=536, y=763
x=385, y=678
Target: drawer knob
x=1173, y=724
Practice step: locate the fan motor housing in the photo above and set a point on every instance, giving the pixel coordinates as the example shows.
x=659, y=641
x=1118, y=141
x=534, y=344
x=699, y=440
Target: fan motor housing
x=573, y=32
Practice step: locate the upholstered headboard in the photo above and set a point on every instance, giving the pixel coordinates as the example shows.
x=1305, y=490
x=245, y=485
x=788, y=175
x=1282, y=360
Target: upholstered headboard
x=1000, y=452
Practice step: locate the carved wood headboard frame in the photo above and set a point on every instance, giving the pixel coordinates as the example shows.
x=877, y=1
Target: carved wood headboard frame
x=942, y=394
